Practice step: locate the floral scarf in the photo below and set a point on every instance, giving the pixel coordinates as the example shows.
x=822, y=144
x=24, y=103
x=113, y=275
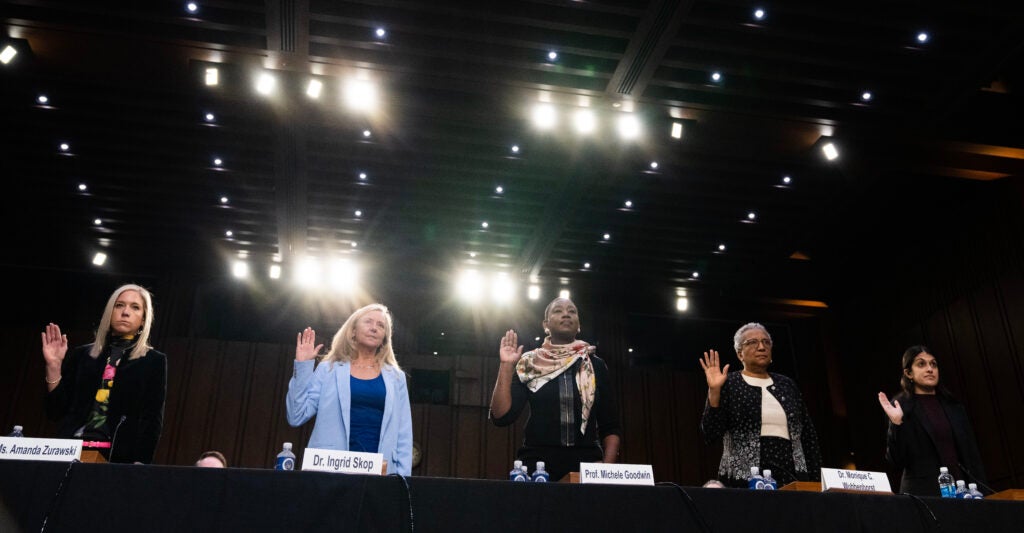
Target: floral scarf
x=537, y=367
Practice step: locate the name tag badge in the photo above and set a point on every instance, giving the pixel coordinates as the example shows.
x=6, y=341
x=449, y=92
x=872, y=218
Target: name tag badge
x=318, y=459
x=30, y=449
x=859, y=480
x=616, y=474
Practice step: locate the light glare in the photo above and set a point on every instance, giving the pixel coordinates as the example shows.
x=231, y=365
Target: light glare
x=584, y=121
x=629, y=127
x=830, y=151
x=212, y=76
x=265, y=83
x=544, y=116
x=314, y=88
x=99, y=259
x=564, y=294
x=677, y=130
x=682, y=303
x=240, y=269
x=275, y=272
x=360, y=95
x=533, y=292
x=8, y=54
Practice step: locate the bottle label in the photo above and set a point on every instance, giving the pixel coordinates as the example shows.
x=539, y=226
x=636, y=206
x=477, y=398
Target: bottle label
x=518, y=477
x=769, y=486
x=540, y=479
x=756, y=484
x=285, y=463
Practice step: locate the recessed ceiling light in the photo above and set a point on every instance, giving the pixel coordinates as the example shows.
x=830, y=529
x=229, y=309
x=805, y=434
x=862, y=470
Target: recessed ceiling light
x=654, y=165
x=275, y=272
x=677, y=130
x=533, y=292
x=314, y=88
x=866, y=96
x=787, y=180
x=552, y=55
x=721, y=247
x=696, y=275
x=359, y=213
x=380, y=32
x=499, y=189
x=472, y=254
x=544, y=116
x=83, y=187
x=223, y=199
x=751, y=215
x=360, y=95
x=484, y=225
x=629, y=126
x=628, y=203
x=265, y=83
x=607, y=236
x=584, y=121
x=192, y=7
x=228, y=233
x=99, y=259
x=716, y=76
x=830, y=151
x=355, y=244
x=240, y=269
x=42, y=99
x=97, y=222
x=759, y=14
x=8, y=54
x=212, y=76
x=515, y=148
x=362, y=175
x=586, y=265
x=366, y=133
x=64, y=147
x=922, y=37
x=217, y=161
x=210, y=117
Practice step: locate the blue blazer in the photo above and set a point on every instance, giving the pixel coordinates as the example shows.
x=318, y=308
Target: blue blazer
x=326, y=393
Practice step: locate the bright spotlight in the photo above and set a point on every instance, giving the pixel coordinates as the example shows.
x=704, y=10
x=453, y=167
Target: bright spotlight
x=629, y=126
x=275, y=272
x=584, y=121
x=8, y=54
x=314, y=88
x=544, y=116
x=307, y=274
x=212, y=76
x=682, y=303
x=469, y=285
x=677, y=130
x=360, y=95
x=533, y=292
x=343, y=275
x=265, y=83
x=830, y=151
x=99, y=259
x=502, y=289
x=564, y=294
x=240, y=269
x=191, y=7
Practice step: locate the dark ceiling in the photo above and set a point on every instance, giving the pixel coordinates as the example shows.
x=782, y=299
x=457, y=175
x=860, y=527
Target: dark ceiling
x=457, y=80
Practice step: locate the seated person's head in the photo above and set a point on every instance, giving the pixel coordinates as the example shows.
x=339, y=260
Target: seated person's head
x=713, y=484
x=212, y=459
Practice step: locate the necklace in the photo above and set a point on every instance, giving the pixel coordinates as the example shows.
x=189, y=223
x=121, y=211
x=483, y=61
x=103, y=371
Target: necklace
x=373, y=365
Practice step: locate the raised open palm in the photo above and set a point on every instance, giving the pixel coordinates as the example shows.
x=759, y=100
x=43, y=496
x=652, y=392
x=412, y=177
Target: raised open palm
x=712, y=372
x=892, y=409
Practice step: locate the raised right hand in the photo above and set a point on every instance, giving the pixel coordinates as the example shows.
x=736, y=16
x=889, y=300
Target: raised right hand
x=55, y=345
x=508, y=353
x=715, y=375
x=892, y=410
x=305, y=345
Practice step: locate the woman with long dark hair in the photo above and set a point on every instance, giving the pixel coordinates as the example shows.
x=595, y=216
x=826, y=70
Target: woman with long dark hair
x=928, y=429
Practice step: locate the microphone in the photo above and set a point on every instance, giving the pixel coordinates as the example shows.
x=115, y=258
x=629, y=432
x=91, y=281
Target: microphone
x=975, y=478
x=113, y=440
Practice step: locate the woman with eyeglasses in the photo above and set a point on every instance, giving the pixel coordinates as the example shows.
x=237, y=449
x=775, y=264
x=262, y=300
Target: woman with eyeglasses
x=928, y=429
x=759, y=416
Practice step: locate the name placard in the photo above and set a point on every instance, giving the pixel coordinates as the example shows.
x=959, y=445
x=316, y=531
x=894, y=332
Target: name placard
x=322, y=460
x=862, y=480
x=30, y=449
x=616, y=474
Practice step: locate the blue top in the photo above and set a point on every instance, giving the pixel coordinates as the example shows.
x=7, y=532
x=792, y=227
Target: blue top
x=367, y=413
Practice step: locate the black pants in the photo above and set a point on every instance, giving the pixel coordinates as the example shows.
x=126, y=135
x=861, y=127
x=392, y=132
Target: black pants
x=559, y=460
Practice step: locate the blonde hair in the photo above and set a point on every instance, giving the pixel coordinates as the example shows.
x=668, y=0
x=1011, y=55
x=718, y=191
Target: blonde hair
x=343, y=349
x=142, y=346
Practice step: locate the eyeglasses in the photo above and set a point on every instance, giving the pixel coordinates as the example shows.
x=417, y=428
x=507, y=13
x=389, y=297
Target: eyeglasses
x=754, y=342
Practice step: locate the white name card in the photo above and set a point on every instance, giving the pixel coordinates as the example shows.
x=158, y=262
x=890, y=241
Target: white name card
x=318, y=459
x=834, y=478
x=616, y=474
x=29, y=449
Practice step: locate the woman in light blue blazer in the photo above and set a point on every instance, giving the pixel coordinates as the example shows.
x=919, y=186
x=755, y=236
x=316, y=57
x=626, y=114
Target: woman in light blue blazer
x=357, y=392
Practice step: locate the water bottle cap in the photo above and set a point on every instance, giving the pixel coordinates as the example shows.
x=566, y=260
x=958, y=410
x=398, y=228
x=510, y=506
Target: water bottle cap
x=754, y=470
x=287, y=445
x=972, y=486
x=943, y=469
x=18, y=428
x=767, y=472
x=960, y=482
x=518, y=463
x=540, y=464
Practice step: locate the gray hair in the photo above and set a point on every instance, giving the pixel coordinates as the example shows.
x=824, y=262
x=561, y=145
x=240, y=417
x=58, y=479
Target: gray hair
x=738, y=337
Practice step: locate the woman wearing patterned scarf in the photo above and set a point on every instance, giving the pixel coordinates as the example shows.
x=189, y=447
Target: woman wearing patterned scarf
x=110, y=393
x=574, y=416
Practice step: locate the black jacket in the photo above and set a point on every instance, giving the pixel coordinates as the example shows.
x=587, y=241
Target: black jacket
x=910, y=446
x=140, y=387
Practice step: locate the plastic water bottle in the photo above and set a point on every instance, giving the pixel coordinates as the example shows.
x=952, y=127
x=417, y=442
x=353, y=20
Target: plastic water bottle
x=972, y=489
x=961, y=489
x=517, y=473
x=526, y=473
x=540, y=475
x=755, y=481
x=285, y=459
x=946, y=486
x=17, y=432
x=769, y=481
